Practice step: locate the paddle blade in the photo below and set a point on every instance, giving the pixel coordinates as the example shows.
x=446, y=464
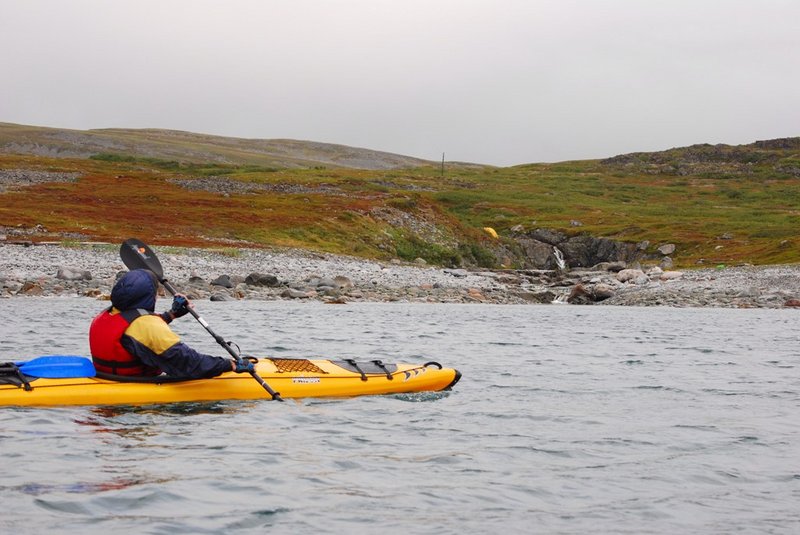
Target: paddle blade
x=136, y=255
x=58, y=367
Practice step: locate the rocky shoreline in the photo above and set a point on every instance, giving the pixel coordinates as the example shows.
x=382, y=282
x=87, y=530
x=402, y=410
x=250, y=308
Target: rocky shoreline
x=90, y=271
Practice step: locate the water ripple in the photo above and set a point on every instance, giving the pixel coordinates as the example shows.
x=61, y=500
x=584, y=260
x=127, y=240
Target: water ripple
x=567, y=420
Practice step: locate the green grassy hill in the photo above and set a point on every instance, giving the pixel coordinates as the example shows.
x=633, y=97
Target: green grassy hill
x=716, y=203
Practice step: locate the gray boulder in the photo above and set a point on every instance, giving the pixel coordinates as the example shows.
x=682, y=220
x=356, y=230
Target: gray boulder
x=222, y=280
x=73, y=274
x=260, y=279
x=293, y=293
x=613, y=267
x=323, y=282
x=603, y=291
x=635, y=276
x=654, y=272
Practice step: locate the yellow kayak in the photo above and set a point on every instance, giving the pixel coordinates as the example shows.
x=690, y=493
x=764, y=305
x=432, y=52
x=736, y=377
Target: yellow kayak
x=291, y=378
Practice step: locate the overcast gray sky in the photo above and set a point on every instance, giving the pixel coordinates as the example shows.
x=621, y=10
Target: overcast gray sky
x=492, y=81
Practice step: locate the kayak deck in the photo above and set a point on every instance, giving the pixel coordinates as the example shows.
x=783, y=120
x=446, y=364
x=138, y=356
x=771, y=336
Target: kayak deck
x=291, y=378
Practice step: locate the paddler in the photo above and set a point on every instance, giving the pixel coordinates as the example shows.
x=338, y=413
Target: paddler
x=130, y=339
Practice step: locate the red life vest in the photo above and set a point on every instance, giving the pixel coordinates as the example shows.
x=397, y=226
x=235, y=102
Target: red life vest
x=108, y=354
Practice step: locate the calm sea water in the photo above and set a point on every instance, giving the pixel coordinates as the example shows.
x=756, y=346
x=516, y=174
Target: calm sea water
x=567, y=420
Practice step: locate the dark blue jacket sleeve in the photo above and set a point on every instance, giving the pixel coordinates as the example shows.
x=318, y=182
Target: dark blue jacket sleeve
x=179, y=360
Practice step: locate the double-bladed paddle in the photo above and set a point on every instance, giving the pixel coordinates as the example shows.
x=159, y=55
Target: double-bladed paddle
x=57, y=367
x=136, y=255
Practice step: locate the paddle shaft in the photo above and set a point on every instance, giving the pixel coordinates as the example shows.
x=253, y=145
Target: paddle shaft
x=221, y=341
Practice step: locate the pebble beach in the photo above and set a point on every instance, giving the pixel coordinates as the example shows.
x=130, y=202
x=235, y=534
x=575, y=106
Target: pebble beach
x=91, y=270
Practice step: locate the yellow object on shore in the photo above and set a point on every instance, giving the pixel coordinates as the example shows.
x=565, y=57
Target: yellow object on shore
x=292, y=378
x=491, y=232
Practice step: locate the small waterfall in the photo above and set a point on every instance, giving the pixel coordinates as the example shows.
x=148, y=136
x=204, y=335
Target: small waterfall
x=561, y=298
x=559, y=258
x=561, y=264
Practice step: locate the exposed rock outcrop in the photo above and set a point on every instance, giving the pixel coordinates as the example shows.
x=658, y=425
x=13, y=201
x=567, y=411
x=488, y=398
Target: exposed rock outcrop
x=541, y=248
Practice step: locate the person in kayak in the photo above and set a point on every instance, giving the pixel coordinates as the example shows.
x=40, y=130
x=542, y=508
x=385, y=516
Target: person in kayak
x=130, y=339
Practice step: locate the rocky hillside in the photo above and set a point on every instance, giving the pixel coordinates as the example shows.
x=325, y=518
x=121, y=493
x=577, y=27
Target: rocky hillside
x=190, y=147
x=692, y=206
x=780, y=155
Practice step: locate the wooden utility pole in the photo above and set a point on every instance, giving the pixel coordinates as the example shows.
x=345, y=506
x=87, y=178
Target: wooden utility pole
x=442, y=164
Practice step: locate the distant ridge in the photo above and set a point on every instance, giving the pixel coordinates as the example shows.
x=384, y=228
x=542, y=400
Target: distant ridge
x=191, y=147
x=182, y=146
x=781, y=156
x=759, y=151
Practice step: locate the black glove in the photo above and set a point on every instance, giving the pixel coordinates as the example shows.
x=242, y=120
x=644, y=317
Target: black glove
x=244, y=366
x=180, y=306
